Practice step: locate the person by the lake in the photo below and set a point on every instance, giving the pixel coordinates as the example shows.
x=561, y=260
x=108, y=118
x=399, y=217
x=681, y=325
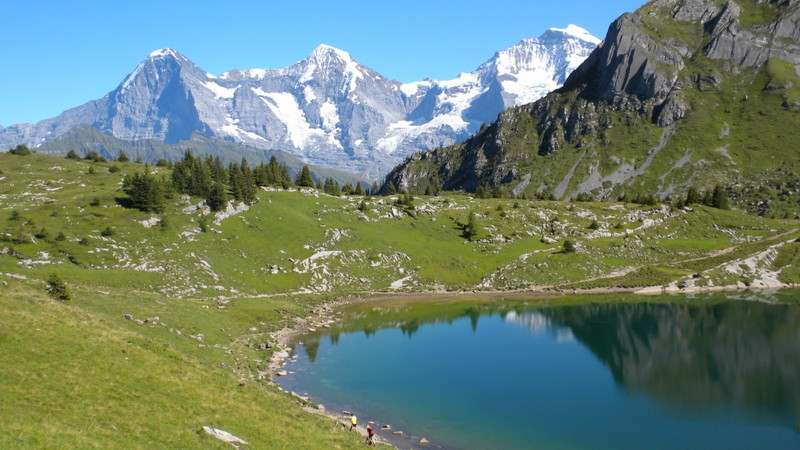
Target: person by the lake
x=370, y=435
x=353, y=422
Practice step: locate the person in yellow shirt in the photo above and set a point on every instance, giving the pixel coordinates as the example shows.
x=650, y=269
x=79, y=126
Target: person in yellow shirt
x=353, y=422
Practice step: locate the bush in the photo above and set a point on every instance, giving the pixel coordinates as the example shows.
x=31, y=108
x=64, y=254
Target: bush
x=114, y=169
x=42, y=234
x=57, y=288
x=20, y=150
x=72, y=154
x=569, y=246
x=108, y=231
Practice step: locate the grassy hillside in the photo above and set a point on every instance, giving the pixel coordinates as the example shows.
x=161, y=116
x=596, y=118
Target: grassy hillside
x=200, y=304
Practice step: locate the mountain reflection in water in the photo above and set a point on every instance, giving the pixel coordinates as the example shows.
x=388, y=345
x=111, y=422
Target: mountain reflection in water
x=742, y=354
x=717, y=370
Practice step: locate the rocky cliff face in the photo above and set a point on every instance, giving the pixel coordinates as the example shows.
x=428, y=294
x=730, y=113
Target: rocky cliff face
x=326, y=109
x=678, y=94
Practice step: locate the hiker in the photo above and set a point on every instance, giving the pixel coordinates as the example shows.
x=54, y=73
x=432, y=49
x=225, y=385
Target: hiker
x=370, y=435
x=353, y=422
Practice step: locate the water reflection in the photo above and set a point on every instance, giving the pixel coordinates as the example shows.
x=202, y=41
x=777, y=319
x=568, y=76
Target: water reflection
x=700, y=354
x=740, y=354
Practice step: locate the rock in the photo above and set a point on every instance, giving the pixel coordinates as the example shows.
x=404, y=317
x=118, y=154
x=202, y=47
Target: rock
x=128, y=317
x=424, y=441
x=386, y=427
x=398, y=433
x=671, y=110
x=139, y=322
x=224, y=436
x=281, y=373
x=151, y=320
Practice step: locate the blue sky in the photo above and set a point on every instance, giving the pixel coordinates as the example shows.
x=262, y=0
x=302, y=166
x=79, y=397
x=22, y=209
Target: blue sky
x=60, y=54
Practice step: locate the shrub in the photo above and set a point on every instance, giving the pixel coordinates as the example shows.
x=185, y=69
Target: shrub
x=569, y=246
x=108, y=231
x=21, y=150
x=57, y=288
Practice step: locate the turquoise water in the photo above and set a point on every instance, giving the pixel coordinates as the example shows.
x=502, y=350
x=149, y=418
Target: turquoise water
x=706, y=372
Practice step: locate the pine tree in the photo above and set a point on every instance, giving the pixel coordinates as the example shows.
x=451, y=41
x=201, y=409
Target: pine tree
x=216, y=197
x=235, y=180
x=147, y=193
x=248, y=186
x=390, y=188
x=472, y=229
x=360, y=189
x=304, y=178
x=719, y=199
x=692, y=196
x=57, y=288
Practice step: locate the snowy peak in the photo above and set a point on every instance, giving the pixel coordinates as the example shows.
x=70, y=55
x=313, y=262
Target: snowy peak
x=326, y=109
x=325, y=54
x=165, y=53
x=571, y=31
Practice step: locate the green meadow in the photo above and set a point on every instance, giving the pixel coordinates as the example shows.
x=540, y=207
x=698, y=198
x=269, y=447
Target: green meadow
x=167, y=329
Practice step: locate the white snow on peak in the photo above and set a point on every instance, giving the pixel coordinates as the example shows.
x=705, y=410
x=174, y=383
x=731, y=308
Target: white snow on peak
x=578, y=32
x=326, y=58
x=324, y=51
x=163, y=52
x=219, y=91
x=411, y=89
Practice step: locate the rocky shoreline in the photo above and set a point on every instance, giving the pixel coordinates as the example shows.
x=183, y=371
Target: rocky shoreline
x=325, y=315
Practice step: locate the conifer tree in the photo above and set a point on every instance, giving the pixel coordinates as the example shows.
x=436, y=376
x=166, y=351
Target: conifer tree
x=692, y=196
x=147, y=192
x=472, y=229
x=390, y=188
x=122, y=157
x=216, y=197
x=719, y=199
x=248, y=186
x=304, y=178
x=360, y=189
x=57, y=288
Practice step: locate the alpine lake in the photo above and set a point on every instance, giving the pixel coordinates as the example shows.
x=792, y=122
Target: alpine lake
x=710, y=370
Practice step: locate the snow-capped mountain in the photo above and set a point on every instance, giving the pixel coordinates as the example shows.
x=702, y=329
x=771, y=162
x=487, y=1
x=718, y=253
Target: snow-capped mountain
x=327, y=109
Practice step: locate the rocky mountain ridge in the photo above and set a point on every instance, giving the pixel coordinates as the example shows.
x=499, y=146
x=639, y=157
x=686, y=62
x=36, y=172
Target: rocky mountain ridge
x=680, y=93
x=327, y=109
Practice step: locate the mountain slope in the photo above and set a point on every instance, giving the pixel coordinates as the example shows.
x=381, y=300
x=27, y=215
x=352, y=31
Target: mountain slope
x=84, y=138
x=680, y=93
x=326, y=109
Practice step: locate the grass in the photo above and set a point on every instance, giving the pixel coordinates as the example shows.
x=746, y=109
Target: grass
x=79, y=374
x=73, y=377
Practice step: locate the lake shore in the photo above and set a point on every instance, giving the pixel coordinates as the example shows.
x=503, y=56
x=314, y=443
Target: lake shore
x=325, y=314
